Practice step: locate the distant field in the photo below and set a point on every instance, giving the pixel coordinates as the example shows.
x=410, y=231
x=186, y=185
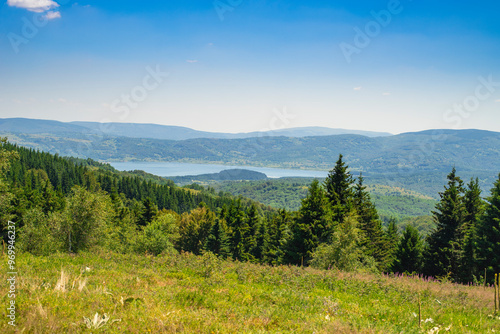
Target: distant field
x=189, y=294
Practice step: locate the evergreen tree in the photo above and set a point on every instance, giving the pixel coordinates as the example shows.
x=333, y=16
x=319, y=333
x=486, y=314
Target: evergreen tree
x=489, y=233
x=148, y=212
x=392, y=237
x=278, y=234
x=312, y=227
x=338, y=185
x=409, y=253
x=474, y=208
x=373, y=239
x=443, y=251
x=6, y=196
x=217, y=240
x=251, y=249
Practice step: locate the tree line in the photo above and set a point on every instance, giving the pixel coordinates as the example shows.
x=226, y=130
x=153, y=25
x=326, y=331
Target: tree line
x=68, y=205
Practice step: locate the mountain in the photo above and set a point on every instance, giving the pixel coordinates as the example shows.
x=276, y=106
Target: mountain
x=417, y=161
x=156, y=131
x=38, y=126
x=168, y=132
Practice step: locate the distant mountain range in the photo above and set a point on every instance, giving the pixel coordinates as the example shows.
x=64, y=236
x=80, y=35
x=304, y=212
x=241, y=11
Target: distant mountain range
x=418, y=161
x=156, y=131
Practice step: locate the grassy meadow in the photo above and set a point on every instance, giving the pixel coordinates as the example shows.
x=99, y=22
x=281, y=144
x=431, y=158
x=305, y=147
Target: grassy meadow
x=183, y=293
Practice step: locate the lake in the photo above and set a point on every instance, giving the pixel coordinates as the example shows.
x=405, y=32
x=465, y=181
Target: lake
x=183, y=169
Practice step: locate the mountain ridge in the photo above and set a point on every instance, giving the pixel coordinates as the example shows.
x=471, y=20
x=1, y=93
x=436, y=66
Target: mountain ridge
x=158, y=131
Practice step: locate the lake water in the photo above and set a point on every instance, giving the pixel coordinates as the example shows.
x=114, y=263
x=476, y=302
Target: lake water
x=182, y=169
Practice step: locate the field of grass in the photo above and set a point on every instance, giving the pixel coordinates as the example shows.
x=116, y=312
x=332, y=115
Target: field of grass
x=188, y=294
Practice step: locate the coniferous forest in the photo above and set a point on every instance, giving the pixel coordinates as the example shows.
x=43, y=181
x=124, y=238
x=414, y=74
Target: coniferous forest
x=69, y=205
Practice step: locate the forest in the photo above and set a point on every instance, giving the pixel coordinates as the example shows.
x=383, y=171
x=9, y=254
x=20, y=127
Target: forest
x=70, y=205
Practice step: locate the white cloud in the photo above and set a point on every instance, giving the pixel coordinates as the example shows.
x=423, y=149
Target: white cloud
x=38, y=6
x=358, y=88
x=52, y=15
x=191, y=61
x=61, y=100
x=386, y=94
x=497, y=100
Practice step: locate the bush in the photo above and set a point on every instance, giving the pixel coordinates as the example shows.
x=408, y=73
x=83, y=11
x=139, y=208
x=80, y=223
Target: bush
x=158, y=236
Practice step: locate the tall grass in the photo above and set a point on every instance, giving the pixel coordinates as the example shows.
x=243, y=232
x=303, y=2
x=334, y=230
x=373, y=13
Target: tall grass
x=112, y=293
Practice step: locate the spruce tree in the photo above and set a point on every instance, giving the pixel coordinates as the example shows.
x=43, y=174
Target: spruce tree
x=217, y=241
x=489, y=233
x=409, y=252
x=443, y=251
x=312, y=227
x=148, y=213
x=373, y=239
x=474, y=207
x=278, y=236
x=338, y=185
x=392, y=237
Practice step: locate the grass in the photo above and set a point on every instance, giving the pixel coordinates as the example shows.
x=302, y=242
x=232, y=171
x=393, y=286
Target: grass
x=113, y=293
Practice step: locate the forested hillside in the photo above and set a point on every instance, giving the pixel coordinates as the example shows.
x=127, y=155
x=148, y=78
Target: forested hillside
x=417, y=161
x=70, y=205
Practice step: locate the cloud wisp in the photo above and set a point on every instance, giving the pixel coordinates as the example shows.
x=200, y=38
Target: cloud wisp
x=37, y=6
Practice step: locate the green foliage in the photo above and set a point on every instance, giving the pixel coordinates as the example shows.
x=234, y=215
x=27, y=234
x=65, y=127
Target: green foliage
x=489, y=233
x=442, y=254
x=344, y=251
x=158, y=236
x=338, y=185
x=409, y=253
x=278, y=237
x=373, y=239
x=194, y=229
x=218, y=240
x=312, y=227
x=86, y=217
x=392, y=236
x=474, y=207
x=40, y=233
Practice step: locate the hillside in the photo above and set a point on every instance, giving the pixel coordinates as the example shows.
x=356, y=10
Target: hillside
x=184, y=293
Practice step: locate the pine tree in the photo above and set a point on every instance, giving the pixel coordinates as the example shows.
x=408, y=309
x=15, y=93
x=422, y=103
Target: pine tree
x=312, y=227
x=489, y=233
x=443, y=251
x=409, y=253
x=338, y=185
x=373, y=239
x=6, y=196
x=149, y=212
x=278, y=236
x=392, y=237
x=251, y=249
x=474, y=207
x=217, y=241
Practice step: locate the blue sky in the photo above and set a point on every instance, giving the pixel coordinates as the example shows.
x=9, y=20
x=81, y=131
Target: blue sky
x=241, y=65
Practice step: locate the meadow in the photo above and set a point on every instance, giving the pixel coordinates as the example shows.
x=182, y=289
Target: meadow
x=105, y=292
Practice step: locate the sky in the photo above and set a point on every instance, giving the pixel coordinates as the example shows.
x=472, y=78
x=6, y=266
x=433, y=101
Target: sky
x=253, y=65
